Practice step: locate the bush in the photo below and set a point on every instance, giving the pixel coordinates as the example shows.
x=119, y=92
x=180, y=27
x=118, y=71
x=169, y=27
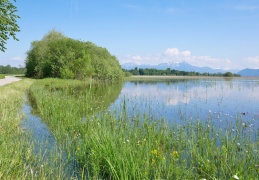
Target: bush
x=61, y=57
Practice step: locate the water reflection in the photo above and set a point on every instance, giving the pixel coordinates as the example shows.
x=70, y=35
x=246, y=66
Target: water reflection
x=218, y=100
x=46, y=148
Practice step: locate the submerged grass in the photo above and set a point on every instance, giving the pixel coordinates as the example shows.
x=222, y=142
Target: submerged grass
x=105, y=147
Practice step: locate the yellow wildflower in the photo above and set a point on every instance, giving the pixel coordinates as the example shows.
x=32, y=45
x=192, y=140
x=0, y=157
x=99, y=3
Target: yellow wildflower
x=175, y=154
x=154, y=152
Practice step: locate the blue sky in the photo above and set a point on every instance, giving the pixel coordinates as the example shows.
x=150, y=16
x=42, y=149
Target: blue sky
x=215, y=33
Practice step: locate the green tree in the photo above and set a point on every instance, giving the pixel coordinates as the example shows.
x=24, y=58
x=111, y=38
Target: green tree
x=59, y=56
x=228, y=74
x=8, y=23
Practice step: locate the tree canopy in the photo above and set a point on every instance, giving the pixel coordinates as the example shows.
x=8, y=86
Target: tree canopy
x=59, y=56
x=8, y=23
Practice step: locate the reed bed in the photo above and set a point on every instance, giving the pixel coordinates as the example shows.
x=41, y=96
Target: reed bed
x=104, y=146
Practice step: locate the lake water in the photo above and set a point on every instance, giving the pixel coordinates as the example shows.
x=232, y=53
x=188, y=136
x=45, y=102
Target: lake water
x=218, y=100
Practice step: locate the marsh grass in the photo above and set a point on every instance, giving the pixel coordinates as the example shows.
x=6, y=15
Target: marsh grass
x=18, y=159
x=104, y=147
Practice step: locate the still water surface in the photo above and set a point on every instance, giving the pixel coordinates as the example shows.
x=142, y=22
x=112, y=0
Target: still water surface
x=218, y=100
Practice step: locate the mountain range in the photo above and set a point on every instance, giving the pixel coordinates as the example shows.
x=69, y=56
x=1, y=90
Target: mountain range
x=183, y=66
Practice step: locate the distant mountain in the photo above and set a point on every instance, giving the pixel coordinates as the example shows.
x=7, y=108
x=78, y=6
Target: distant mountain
x=183, y=66
x=249, y=72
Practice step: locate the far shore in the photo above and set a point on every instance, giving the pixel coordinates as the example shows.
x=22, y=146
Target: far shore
x=138, y=77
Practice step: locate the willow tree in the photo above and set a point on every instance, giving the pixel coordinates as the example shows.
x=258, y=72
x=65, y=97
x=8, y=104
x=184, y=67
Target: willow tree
x=8, y=22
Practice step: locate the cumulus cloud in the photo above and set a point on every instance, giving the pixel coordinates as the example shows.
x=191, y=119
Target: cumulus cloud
x=176, y=55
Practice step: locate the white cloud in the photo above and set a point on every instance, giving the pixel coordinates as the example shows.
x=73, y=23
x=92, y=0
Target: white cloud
x=176, y=55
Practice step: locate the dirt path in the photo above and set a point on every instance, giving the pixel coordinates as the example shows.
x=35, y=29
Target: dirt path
x=8, y=80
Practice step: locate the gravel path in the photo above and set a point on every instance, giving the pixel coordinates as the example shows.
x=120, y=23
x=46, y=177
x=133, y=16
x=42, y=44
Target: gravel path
x=8, y=80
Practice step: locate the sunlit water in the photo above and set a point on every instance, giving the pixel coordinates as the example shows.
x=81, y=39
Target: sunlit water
x=220, y=101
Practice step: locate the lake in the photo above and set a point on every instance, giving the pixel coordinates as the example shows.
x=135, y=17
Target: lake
x=218, y=100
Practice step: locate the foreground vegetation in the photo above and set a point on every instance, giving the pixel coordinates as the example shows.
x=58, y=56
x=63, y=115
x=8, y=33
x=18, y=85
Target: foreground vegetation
x=104, y=147
x=13, y=146
x=18, y=157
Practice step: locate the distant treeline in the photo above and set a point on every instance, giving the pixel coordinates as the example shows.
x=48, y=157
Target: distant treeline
x=12, y=70
x=173, y=72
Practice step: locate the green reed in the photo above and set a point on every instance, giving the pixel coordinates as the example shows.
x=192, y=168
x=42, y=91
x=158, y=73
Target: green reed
x=105, y=147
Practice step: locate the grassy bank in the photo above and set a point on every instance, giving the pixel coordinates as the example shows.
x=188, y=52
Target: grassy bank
x=18, y=157
x=2, y=76
x=106, y=147
x=13, y=148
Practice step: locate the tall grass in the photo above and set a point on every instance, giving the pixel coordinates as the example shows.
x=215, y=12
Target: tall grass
x=105, y=147
x=18, y=159
x=13, y=148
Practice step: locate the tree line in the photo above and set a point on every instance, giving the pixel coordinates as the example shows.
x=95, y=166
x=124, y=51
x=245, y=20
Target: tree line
x=12, y=70
x=173, y=72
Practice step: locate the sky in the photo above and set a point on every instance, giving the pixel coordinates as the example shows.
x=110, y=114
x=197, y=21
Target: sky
x=214, y=33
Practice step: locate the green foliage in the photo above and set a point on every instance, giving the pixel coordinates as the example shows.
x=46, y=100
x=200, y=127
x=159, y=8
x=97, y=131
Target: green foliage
x=59, y=56
x=8, y=24
x=228, y=74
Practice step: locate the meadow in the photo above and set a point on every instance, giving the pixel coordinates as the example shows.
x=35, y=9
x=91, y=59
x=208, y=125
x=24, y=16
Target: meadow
x=94, y=141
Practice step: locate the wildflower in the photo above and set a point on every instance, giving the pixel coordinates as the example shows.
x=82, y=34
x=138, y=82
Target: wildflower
x=235, y=176
x=78, y=149
x=155, y=152
x=175, y=154
x=163, y=158
x=41, y=166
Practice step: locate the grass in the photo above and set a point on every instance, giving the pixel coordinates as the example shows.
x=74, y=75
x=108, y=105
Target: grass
x=12, y=148
x=18, y=159
x=104, y=147
x=2, y=76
